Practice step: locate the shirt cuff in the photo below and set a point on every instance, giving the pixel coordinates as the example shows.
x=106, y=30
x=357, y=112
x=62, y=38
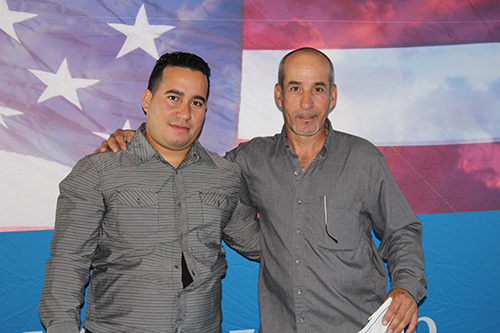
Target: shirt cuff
x=63, y=328
x=413, y=287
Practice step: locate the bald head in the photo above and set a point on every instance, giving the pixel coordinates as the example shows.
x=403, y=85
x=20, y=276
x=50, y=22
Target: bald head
x=310, y=50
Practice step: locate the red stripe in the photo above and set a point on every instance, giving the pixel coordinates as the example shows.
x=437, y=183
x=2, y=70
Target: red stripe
x=447, y=178
x=325, y=24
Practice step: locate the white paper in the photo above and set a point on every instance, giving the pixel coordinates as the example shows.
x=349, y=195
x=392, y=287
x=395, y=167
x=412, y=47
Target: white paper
x=375, y=321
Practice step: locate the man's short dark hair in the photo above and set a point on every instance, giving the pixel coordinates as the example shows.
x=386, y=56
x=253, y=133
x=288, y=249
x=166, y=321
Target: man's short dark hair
x=177, y=59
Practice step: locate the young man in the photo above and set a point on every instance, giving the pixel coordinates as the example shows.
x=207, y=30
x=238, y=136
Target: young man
x=148, y=222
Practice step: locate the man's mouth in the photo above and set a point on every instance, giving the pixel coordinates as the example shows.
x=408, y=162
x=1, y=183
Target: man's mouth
x=307, y=117
x=180, y=127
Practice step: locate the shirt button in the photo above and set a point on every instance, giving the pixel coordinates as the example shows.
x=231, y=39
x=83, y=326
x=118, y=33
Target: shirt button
x=299, y=292
x=296, y=173
x=297, y=261
x=298, y=232
x=299, y=202
x=301, y=320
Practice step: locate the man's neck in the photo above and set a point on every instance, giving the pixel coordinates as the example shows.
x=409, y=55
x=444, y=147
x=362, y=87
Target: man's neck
x=174, y=157
x=306, y=146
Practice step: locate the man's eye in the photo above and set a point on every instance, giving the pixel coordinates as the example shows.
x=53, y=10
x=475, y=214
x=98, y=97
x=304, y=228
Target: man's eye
x=294, y=88
x=319, y=89
x=173, y=98
x=198, y=103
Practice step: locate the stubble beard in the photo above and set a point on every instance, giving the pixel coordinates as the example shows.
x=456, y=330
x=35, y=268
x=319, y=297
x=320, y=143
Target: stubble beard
x=305, y=133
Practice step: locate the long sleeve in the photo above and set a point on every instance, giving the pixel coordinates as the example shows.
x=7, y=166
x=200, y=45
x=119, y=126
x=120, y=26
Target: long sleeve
x=80, y=208
x=400, y=232
x=242, y=232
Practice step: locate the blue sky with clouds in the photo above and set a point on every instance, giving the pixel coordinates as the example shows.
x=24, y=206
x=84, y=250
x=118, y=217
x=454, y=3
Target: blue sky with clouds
x=393, y=96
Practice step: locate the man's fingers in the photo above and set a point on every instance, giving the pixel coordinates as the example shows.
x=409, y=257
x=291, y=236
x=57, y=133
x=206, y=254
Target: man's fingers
x=400, y=320
x=413, y=323
x=120, y=138
x=403, y=311
x=391, y=311
x=102, y=148
x=114, y=144
x=116, y=141
x=130, y=135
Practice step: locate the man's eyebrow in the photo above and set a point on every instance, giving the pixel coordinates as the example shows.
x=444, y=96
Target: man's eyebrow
x=321, y=83
x=175, y=92
x=180, y=93
x=201, y=98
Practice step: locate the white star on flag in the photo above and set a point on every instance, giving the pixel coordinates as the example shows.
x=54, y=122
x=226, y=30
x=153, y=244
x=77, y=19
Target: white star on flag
x=8, y=18
x=6, y=112
x=62, y=84
x=141, y=34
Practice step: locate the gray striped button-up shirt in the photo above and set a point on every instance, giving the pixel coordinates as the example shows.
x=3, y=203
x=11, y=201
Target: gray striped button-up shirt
x=128, y=218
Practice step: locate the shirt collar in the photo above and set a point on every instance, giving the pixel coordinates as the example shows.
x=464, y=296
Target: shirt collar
x=144, y=151
x=197, y=153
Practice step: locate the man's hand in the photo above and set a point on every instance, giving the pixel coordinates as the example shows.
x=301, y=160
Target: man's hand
x=404, y=309
x=116, y=141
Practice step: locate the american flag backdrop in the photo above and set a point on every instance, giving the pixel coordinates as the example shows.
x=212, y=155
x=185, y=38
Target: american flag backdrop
x=418, y=78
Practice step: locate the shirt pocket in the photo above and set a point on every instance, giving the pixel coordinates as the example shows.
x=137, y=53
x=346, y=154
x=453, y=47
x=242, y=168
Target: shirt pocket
x=138, y=212
x=341, y=228
x=217, y=208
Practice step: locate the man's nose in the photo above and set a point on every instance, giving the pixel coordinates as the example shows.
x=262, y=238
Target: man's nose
x=307, y=101
x=184, y=112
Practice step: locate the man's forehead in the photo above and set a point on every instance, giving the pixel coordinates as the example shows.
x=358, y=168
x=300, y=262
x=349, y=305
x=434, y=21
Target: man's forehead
x=173, y=75
x=306, y=66
x=179, y=69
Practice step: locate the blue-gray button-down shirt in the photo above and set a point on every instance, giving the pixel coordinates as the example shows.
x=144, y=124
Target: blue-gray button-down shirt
x=308, y=281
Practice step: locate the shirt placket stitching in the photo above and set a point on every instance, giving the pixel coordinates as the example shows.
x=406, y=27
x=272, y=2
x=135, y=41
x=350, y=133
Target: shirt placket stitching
x=299, y=220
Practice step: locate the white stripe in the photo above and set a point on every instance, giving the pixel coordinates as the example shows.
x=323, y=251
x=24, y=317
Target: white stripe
x=28, y=191
x=393, y=96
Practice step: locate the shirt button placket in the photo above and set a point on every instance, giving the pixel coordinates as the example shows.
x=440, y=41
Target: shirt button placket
x=299, y=296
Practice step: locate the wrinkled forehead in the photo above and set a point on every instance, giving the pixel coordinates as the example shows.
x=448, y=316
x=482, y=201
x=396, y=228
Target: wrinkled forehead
x=306, y=66
x=309, y=64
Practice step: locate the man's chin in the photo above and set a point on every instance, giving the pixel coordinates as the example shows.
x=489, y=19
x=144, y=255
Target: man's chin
x=306, y=131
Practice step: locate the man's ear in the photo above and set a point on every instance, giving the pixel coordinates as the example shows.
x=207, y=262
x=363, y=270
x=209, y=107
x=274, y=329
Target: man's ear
x=146, y=100
x=333, y=96
x=278, y=95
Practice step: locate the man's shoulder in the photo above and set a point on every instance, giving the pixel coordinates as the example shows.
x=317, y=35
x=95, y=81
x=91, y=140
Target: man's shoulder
x=222, y=163
x=256, y=147
x=109, y=159
x=260, y=142
x=354, y=143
